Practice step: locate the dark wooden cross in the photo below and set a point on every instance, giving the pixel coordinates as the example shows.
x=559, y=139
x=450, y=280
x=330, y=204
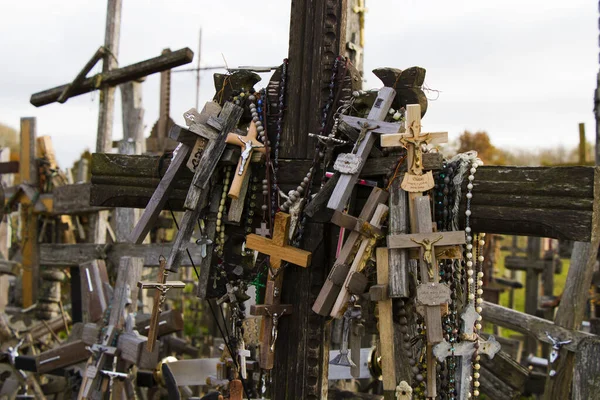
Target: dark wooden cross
x=365, y=249
x=533, y=264
x=279, y=251
x=112, y=78
x=162, y=286
x=330, y=290
x=182, y=153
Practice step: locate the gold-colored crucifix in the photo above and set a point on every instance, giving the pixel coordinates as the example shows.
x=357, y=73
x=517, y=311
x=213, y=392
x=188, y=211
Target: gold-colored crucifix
x=249, y=144
x=162, y=286
x=414, y=140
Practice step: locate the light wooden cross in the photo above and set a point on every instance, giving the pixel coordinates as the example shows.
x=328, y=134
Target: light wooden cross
x=465, y=351
x=162, y=286
x=431, y=294
x=332, y=286
x=279, y=251
x=364, y=251
x=249, y=144
x=413, y=140
x=350, y=164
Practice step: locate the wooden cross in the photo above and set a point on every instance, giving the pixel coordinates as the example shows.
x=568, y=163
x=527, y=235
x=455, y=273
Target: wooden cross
x=379, y=293
x=350, y=165
x=363, y=252
x=272, y=309
x=249, y=144
x=162, y=286
x=413, y=140
x=114, y=77
x=431, y=294
x=188, y=140
x=330, y=290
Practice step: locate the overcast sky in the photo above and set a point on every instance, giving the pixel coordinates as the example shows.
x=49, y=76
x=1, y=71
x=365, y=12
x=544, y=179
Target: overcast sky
x=525, y=71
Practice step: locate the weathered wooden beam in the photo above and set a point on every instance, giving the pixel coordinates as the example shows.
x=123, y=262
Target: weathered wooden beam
x=73, y=199
x=9, y=167
x=67, y=255
x=534, y=326
x=571, y=312
x=557, y=202
x=117, y=76
x=548, y=202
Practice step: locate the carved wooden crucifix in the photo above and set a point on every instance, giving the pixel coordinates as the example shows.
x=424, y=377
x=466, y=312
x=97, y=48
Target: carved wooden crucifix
x=350, y=164
x=413, y=140
x=162, y=286
x=431, y=294
x=279, y=251
x=249, y=144
x=330, y=290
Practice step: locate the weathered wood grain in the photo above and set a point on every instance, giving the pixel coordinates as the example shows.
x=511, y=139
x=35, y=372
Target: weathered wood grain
x=571, y=312
x=386, y=324
x=531, y=325
x=73, y=199
x=169, y=322
x=117, y=76
x=161, y=195
x=557, y=202
x=586, y=375
x=398, y=224
x=75, y=254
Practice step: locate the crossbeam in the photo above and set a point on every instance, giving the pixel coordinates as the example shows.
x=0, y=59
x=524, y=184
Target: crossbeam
x=70, y=255
x=556, y=202
x=117, y=76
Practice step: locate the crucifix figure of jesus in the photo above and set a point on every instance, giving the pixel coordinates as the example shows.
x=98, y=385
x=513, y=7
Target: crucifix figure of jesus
x=249, y=144
x=272, y=310
x=414, y=140
x=162, y=287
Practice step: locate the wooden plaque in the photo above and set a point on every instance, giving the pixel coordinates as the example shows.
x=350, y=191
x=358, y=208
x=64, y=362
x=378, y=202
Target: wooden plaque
x=418, y=183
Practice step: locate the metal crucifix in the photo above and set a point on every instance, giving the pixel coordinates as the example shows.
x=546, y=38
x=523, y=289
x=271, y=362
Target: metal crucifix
x=162, y=286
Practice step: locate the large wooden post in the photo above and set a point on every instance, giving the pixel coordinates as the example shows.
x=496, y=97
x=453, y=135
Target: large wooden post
x=29, y=233
x=573, y=303
x=107, y=93
x=317, y=36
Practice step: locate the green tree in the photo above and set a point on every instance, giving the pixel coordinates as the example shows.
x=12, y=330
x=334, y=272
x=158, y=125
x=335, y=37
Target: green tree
x=480, y=142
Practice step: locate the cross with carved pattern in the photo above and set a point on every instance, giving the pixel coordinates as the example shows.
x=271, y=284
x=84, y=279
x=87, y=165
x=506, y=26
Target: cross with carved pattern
x=278, y=250
x=162, y=286
x=413, y=140
x=248, y=144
